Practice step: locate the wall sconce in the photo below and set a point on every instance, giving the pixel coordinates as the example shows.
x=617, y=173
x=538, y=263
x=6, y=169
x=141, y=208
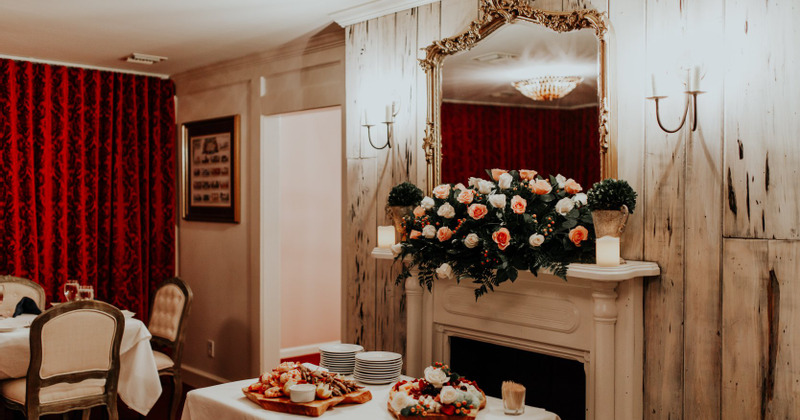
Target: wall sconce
x=693, y=89
x=391, y=112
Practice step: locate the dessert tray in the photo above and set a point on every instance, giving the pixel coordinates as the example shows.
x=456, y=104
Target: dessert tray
x=272, y=390
x=440, y=395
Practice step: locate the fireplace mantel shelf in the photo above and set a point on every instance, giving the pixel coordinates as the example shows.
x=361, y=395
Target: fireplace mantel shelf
x=627, y=271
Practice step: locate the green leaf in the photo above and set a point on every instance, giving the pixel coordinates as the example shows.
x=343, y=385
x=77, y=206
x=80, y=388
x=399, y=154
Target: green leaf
x=570, y=223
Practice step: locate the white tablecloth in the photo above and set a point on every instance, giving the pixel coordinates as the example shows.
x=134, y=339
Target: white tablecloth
x=226, y=401
x=139, y=385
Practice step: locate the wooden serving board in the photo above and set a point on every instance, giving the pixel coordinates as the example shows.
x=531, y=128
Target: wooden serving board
x=436, y=416
x=312, y=409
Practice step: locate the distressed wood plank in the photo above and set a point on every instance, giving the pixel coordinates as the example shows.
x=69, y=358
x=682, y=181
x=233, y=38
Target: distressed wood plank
x=761, y=118
x=355, y=38
x=457, y=15
x=577, y=4
x=665, y=160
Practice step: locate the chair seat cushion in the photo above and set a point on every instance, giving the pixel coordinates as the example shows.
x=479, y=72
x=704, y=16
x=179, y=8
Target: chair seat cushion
x=14, y=390
x=162, y=360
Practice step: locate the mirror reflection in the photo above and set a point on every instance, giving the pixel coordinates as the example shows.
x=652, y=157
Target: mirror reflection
x=488, y=123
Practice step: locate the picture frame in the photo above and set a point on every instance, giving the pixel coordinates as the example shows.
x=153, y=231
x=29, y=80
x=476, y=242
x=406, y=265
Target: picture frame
x=210, y=170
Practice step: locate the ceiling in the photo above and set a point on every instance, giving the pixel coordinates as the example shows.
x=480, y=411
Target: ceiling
x=191, y=33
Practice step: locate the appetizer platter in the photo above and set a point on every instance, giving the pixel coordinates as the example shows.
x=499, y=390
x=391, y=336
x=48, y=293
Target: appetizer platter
x=284, y=388
x=441, y=395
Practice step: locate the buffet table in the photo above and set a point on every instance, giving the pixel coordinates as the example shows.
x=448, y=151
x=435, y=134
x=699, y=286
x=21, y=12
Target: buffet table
x=227, y=401
x=139, y=384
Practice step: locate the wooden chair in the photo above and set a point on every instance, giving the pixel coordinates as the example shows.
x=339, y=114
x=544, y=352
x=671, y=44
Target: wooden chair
x=15, y=289
x=169, y=311
x=74, y=362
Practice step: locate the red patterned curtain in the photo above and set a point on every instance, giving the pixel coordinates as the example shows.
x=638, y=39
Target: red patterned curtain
x=87, y=180
x=550, y=141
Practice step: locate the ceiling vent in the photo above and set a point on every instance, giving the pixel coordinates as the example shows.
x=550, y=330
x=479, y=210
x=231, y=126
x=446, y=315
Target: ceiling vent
x=495, y=58
x=139, y=58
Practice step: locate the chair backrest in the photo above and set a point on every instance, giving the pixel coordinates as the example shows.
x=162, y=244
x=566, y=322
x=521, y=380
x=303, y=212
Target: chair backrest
x=169, y=310
x=15, y=288
x=76, y=343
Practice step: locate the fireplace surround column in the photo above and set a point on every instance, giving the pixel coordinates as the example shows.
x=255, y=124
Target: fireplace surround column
x=605, y=318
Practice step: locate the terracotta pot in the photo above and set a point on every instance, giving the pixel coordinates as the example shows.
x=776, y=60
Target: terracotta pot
x=610, y=222
x=397, y=213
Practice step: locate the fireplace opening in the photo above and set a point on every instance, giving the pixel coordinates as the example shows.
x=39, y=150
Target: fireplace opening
x=558, y=385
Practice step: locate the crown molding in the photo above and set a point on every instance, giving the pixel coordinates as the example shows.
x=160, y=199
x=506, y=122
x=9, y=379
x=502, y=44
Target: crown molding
x=373, y=9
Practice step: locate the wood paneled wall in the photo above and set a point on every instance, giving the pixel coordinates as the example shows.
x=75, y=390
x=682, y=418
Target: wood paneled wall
x=717, y=207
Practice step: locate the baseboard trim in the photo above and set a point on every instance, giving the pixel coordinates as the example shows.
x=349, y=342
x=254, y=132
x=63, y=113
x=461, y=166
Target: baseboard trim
x=198, y=378
x=304, y=350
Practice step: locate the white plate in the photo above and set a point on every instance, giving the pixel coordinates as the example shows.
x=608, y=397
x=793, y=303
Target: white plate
x=340, y=348
x=378, y=365
x=377, y=381
x=379, y=356
x=376, y=377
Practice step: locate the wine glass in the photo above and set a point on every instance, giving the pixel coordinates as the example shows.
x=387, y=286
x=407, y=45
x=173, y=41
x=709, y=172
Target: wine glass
x=85, y=293
x=71, y=290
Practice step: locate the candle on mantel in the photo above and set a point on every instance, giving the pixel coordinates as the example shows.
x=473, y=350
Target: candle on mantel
x=607, y=249
x=385, y=236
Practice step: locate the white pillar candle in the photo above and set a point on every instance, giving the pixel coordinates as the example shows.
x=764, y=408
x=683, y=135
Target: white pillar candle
x=385, y=236
x=694, y=79
x=607, y=249
x=389, y=112
x=653, y=84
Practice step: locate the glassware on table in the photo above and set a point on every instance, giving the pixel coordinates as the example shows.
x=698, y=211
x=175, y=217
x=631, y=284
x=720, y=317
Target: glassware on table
x=85, y=293
x=513, y=398
x=71, y=290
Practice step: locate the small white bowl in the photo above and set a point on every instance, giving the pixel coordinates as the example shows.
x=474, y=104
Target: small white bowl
x=302, y=393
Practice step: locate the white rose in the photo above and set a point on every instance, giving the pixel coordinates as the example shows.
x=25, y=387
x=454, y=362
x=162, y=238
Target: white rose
x=580, y=199
x=447, y=211
x=448, y=395
x=429, y=231
x=401, y=400
x=505, y=181
x=498, y=200
x=474, y=182
x=561, y=180
x=436, y=376
x=471, y=241
x=536, y=240
x=459, y=186
x=427, y=203
x=485, y=187
x=444, y=272
x=476, y=395
x=396, y=249
x=564, y=206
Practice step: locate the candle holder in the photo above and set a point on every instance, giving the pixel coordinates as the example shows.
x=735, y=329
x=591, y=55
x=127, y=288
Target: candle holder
x=391, y=112
x=691, y=101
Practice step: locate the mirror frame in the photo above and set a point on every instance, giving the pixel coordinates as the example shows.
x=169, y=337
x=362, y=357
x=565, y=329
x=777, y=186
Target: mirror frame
x=495, y=14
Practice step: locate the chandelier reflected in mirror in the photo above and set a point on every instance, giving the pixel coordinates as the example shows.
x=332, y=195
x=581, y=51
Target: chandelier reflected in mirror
x=547, y=88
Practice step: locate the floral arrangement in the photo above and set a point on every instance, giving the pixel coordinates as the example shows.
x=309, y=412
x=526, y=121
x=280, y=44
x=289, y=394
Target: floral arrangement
x=611, y=194
x=491, y=229
x=442, y=391
x=405, y=194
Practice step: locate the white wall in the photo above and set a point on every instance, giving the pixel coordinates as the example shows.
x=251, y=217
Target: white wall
x=310, y=226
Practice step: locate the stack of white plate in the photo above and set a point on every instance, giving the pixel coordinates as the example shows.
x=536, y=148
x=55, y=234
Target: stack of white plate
x=378, y=367
x=339, y=358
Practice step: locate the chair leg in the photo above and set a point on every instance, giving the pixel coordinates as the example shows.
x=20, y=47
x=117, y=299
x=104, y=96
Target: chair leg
x=113, y=413
x=177, y=388
x=86, y=413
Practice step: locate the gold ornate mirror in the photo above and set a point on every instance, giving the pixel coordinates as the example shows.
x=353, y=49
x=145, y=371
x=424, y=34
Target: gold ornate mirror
x=522, y=88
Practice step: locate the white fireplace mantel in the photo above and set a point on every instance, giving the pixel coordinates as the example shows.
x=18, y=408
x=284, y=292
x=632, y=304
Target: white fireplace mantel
x=595, y=317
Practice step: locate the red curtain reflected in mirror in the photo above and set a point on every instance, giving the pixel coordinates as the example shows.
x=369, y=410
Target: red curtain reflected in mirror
x=550, y=141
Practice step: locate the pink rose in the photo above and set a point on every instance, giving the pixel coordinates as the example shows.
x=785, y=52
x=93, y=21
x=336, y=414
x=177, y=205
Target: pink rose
x=477, y=211
x=541, y=187
x=572, y=187
x=415, y=234
x=527, y=174
x=442, y=191
x=518, y=204
x=466, y=196
x=578, y=234
x=497, y=172
x=419, y=211
x=502, y=237
x=444, y=233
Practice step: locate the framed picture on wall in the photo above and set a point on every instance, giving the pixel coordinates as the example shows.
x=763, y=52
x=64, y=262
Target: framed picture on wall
x=210, y=167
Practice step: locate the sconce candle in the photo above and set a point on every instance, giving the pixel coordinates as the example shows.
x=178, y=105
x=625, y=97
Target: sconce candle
x=653, y=85
x=389, y=113
x=385, y=236
x=694, y=79
x=607, y=251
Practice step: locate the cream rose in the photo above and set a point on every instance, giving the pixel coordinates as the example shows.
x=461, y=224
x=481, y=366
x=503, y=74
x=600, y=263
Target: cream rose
x=518, y=204
x=459, y=186
x=427, y=203
x=572, y=187
x=471, y=241
x=564, y=206
x=580, y=199
x=466, y=196
x=496, y=173
x=401, y=400
x=485, y=187
x=429, y=231
x=444, y=233
x=446, y=210
x=561, y=180
x=536, y=240
x=419, y=211
x=505, y=181
x=477, y=211
x=436, y=376
x=441, y=191
x=541, y=187
x=498, y=201
x=473, y=182
x=444, y=272
x=448, y=394
x=397, y=249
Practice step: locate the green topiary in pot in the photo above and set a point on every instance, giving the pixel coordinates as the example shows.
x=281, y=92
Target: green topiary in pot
x=611, y=200
x=405, y=194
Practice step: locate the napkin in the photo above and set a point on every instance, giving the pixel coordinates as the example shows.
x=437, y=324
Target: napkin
x=26, y=305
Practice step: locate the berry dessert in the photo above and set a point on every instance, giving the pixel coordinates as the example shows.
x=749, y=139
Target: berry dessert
x=442, y=394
